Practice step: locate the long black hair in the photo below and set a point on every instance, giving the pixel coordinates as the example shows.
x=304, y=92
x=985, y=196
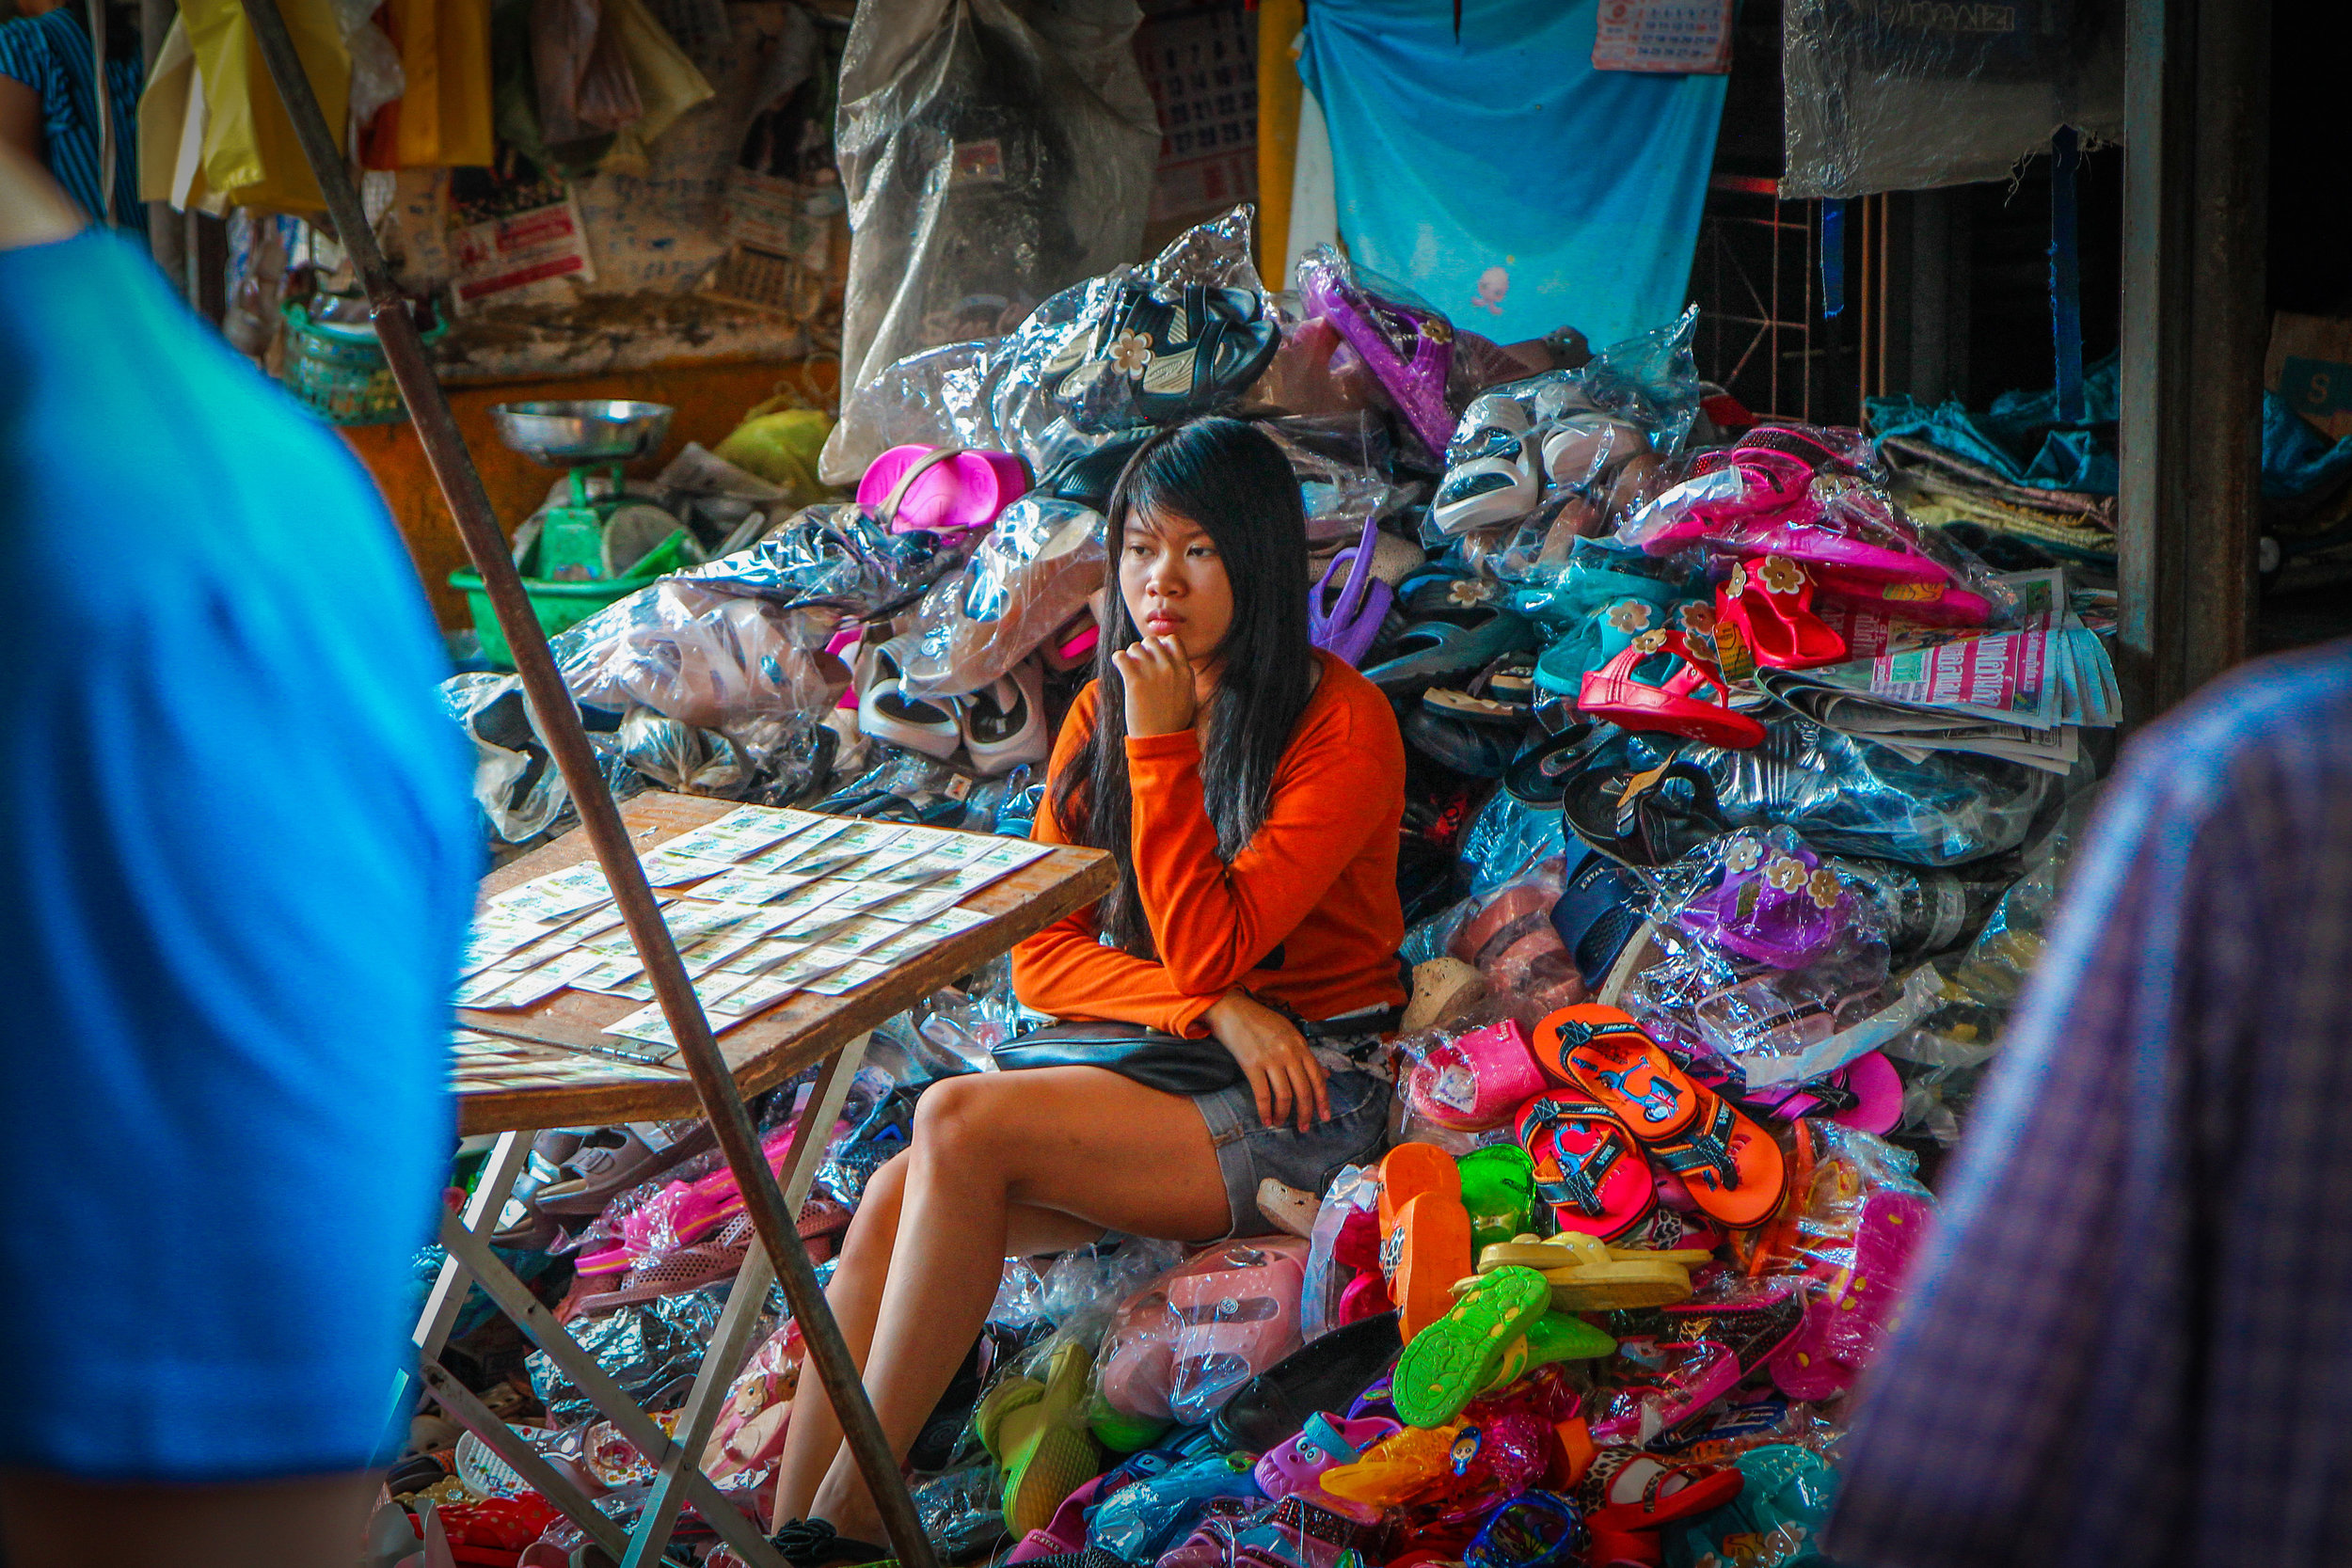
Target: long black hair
x=1234, y=481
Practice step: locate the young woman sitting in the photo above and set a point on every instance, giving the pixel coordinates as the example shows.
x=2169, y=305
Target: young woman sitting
x=1251, y=789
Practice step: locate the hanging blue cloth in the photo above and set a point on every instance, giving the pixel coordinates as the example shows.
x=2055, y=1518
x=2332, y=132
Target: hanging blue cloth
x=1501, y=175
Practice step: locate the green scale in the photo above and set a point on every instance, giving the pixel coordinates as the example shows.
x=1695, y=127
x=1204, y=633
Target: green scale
x=600, y=544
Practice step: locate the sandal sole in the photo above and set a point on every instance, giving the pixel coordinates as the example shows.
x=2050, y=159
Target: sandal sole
x=1451, y=1360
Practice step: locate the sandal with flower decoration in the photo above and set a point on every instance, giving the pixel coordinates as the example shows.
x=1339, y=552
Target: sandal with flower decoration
x=1616, y=693
x=1764, y=609
x=1161, y=361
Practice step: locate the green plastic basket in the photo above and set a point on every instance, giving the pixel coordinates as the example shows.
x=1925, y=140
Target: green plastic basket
x=560, y=606
x=339, y=372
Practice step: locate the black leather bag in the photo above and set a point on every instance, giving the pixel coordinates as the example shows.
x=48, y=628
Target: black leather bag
x=1169, y=1063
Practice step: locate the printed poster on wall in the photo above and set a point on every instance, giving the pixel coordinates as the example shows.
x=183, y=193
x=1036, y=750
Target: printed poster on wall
x=513, y=231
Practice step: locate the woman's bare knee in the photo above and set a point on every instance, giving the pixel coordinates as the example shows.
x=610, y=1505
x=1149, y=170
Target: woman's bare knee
x=959, y=1124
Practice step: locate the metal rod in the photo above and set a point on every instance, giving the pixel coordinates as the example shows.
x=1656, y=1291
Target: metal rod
x=525, y=1461
x=600, y=815
x=720, y=1512
x=723, y=1358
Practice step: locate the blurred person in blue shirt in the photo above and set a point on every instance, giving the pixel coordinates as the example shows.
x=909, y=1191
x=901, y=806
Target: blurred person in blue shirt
x=236, y=858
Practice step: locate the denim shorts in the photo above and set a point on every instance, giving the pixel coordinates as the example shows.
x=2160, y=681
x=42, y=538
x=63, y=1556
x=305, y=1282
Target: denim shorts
x=1249, y=1151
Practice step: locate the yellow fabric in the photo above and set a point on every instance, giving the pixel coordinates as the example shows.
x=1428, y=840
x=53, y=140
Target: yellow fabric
x=465, y=62
x=445, y=109
x=164, y=114
x=1278, y=94
x=250, y=154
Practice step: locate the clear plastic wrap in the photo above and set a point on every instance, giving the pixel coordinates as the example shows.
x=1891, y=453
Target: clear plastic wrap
x=777, y=758
x=961, y=1509
x=1783, y=1504
x=1509, y=937
x=1810, y=495
x=1182, y=1345
x=652, y=1349
x=1405, y=343
x=1943, y=1058
x=1084, y=1289
x=1903, y=98
x=708, y=658
x=1029, y=577
x=991, y=155
x=1142, y=1519
x=1845, y=794
x=1341, y=463
x=515, y=780
x=991, y=394
x=1758, y=1027
x=1355, y=1190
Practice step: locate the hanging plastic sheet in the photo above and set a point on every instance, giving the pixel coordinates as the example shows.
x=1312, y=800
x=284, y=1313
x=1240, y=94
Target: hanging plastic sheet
x=1591, y=220
x=1898, y=98
x=990, y=394
x=991, y=156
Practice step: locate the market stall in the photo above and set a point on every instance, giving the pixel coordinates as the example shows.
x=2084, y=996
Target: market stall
x=1736, y=794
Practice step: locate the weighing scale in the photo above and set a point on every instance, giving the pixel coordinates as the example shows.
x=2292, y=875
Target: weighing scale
x=602, y=532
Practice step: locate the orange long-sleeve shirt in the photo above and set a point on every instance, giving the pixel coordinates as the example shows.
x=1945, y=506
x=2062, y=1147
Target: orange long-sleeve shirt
x=1306, y=914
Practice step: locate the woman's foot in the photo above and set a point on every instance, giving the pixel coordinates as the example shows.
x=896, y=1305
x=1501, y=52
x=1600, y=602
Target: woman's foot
x=815, y=1544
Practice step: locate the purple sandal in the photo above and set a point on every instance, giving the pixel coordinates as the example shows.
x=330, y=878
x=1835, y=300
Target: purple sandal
x=1348, y=624
x=1410, y=351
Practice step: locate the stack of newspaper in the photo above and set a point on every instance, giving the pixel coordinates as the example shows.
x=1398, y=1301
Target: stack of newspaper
x=2024, y=693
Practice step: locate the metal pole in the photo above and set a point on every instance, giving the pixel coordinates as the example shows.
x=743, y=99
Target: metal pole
x=599, y=816
x=2196, y=98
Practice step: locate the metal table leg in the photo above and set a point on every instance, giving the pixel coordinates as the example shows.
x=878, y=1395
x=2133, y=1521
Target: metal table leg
x=447, y=1296
x=724, y=1356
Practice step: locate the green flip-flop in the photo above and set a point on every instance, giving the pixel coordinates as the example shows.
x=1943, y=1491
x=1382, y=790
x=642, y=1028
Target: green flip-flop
x=1553, y=1337
x=1039, y=1434
x=1455, y=1357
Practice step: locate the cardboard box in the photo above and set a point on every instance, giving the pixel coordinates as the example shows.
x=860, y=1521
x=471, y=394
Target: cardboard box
x=2309, y=367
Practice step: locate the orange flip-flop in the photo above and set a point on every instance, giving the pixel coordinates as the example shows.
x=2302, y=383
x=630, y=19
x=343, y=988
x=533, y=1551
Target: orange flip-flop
x=1410, y=1170
x=1733, y=1168
x=1422, y=1255
x=1604, y=1052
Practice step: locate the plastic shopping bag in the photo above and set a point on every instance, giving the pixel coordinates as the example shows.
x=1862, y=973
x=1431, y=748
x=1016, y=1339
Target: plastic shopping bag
x=250, y=155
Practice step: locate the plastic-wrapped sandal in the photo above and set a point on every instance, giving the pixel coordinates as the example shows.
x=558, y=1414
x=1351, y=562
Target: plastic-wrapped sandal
x=1408, y=351
x=1616, y=693
x=1764, y=609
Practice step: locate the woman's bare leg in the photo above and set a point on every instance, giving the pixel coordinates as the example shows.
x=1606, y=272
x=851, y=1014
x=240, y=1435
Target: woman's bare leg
x=1079, y=1142
x=814, y=1435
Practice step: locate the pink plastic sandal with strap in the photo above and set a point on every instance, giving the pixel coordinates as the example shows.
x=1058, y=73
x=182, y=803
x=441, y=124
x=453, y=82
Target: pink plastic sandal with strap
x=1616, y=693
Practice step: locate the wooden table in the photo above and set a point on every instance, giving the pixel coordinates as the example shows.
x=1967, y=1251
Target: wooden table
x=548, y=1073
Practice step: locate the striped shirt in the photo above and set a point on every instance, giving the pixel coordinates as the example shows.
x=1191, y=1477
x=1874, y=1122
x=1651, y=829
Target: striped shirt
x=51, y=53
x=2128, y=1343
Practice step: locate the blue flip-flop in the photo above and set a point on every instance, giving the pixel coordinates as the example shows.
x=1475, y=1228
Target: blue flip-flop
x=1436, y=650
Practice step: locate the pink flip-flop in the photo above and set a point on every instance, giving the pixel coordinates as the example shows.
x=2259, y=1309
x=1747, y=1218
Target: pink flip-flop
x=942, y=489
x=1846, y=1320
x=1867, y=1094
x=1476, y=1080
x=1588, y=1167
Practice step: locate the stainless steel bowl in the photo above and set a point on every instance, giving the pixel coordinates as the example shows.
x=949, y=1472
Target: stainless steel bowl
x=600, y=430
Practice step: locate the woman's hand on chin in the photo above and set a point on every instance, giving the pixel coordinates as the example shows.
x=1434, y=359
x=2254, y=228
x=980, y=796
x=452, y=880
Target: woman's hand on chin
x=1282, y=1072
x=1159, y=684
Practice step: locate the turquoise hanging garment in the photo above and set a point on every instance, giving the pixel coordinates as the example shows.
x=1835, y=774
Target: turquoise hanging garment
x=1501, y=177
